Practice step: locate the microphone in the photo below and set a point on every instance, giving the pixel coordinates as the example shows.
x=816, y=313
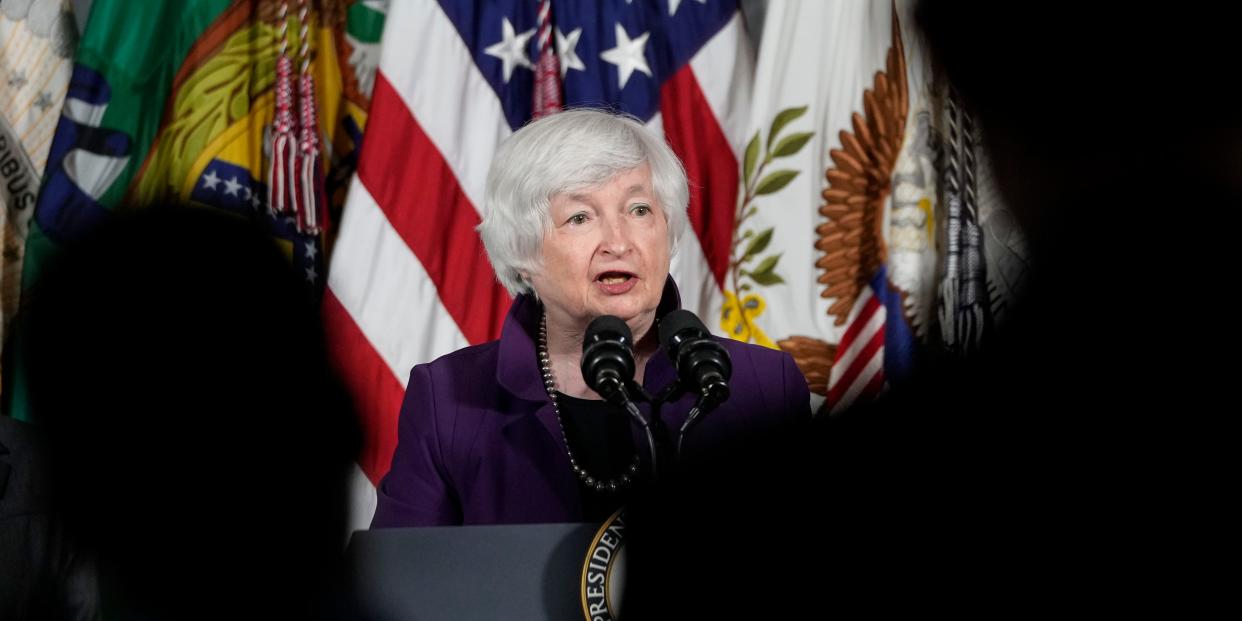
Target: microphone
x=703, y=365
x=608, y=365
x=608, y=357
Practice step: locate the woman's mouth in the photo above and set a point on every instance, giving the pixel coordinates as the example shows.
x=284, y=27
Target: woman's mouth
x=616, y=283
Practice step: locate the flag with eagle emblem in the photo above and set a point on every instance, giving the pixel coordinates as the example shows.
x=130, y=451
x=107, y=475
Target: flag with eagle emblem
x=835, y=257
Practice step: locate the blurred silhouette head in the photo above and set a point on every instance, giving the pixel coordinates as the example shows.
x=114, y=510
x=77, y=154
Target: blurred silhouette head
x=202, y=444
x=1097, y=117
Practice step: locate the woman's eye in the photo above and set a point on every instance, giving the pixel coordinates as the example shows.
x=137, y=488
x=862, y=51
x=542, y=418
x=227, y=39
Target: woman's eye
x=578, y=218
x=640, y=210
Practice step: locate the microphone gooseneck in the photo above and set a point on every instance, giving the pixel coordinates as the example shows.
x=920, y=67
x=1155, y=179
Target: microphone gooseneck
x=703, y=365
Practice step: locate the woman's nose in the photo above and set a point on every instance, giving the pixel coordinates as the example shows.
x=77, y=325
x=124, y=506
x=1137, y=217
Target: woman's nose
x=616, y=237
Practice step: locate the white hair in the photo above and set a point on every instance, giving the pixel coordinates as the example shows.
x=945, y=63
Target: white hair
x=568, y=152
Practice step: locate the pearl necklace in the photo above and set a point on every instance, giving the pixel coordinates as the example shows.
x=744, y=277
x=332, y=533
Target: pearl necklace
x=549, y=383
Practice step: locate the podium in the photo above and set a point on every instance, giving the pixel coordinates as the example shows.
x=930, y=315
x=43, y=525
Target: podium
x=478, y=572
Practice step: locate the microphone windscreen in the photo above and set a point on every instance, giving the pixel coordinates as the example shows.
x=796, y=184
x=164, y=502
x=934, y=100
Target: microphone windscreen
x=675, y=323
x=607, y=327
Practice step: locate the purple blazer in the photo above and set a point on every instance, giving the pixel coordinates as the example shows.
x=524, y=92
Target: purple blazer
x=478, y=441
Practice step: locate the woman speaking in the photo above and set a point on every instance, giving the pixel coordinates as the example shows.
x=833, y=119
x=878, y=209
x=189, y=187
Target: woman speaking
x=583, y=212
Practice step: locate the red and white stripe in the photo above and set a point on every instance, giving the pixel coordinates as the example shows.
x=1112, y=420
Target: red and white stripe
x=858, y=371
x=714, y=86
x=409, y=280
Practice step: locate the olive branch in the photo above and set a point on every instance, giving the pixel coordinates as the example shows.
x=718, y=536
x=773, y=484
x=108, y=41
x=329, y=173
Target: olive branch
x=756, y=181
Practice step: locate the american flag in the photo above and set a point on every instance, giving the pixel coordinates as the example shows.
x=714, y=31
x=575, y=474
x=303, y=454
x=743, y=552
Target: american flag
x=409, y=280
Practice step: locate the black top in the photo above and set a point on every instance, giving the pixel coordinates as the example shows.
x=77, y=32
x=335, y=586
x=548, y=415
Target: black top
x=599, y=435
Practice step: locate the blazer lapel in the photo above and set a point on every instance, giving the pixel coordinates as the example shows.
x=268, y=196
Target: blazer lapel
x=534, y=432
